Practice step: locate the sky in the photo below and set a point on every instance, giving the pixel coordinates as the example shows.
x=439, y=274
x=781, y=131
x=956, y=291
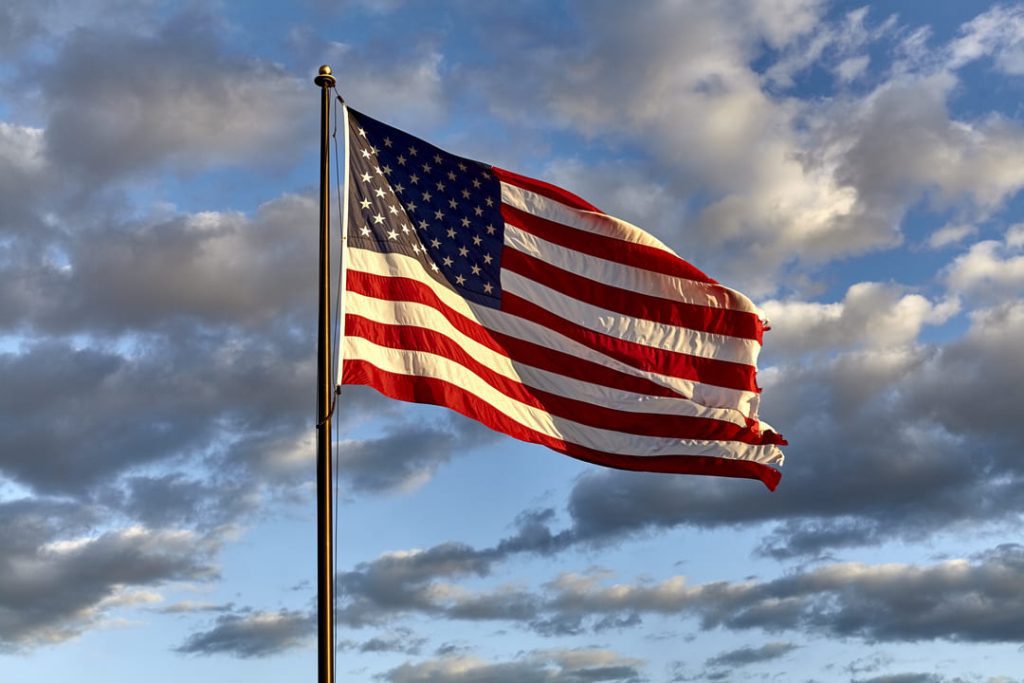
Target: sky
x=856, y=170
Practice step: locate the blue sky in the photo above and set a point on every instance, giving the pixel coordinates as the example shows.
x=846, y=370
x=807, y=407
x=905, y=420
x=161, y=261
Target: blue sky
x=856, y=169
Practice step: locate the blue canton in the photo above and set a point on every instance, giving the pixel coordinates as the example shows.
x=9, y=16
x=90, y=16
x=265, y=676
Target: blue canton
x=409, y=197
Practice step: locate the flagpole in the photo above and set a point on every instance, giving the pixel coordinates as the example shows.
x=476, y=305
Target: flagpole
x=324, y=501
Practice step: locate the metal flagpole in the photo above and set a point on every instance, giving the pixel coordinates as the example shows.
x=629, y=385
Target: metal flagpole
x=324, y=501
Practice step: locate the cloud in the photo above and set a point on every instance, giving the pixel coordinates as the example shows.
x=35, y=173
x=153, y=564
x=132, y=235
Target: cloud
x=745, y=656
x=253, y=634
x=950, y=234
x=214, y=268
x=970, y=600
x=991, y=270
x=872, y=314
x=23, y=165
x=997, y=33
x=402, y=641
x=133, y=102
x=405, y=458
x=960, y=600
x=58, y=578
x=539, y=666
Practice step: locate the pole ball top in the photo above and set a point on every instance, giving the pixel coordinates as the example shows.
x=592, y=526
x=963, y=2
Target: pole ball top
x=325, y=79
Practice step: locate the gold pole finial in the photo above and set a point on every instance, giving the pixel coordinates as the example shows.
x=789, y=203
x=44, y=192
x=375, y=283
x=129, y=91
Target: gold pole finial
x=325, y=79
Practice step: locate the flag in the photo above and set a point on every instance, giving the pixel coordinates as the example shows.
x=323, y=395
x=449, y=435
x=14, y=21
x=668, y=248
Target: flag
x=522, y=306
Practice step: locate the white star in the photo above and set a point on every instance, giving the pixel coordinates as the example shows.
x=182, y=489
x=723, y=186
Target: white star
x=393, y=209
x=379, y=192
x=477, y=240
x=463, y=252
x=447, y=262
x=476, y=183
x=451, y=175
x=490, y=229
x=387, y=142
x=490, y=202
x=392, y=234
x=365, y=203
x=411, y=206
x=437, y=158
x=401, y=160
x=414, y=179
x=415, y=248
x=387, y=170
x=398, y=189
x=488, y=258
x=475, y=269
x=434, y=266
x=366, y=177
x=362, y=132
x=460, y=280
x=378, y=219
x=373, y=149
x=405, y=228
x=452, y=203
x=488, y=287
x=478, y=211
x=423, y=225
x=435, y=243
x=365, y=153
x=427, y=196
x=426, y=168
x=465, y=222
x=364, y=231
x=376, y=169
x=412, y=151
x=439, y=215
x=440, y=186
x=465, y=194
x=451, y=233
x=462, y=167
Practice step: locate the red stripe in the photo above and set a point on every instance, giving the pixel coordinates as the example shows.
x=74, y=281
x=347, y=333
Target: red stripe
x=405, y=337
x=720, y=373
x=544, y=189
x=633, y=304
x=610, y=248
x=440, y=393
x=526, y=352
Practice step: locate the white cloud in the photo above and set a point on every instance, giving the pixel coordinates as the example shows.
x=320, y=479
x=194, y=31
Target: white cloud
x=996, y=33
x=991, y=270
x=950, y=234
x=872, y=314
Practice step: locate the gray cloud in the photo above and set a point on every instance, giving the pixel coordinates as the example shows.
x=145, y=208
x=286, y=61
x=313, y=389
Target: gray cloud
x=904, y=678
x=403, y=641
x=539, y=666
x=58, y=577
x=251, y=634
x=127, y=102
x=744, y=656
x=406, y=457
x=973, y=600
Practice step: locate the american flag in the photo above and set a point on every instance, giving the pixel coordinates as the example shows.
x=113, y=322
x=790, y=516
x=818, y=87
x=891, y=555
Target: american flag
x=522, y=306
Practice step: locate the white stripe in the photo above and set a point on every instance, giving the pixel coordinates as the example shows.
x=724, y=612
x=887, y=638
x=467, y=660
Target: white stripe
x=399, y=265
x=660, y=336
x=344, y=245
x=629, y=277
x=420, y=315
x=590, y=221
x=421, y=364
